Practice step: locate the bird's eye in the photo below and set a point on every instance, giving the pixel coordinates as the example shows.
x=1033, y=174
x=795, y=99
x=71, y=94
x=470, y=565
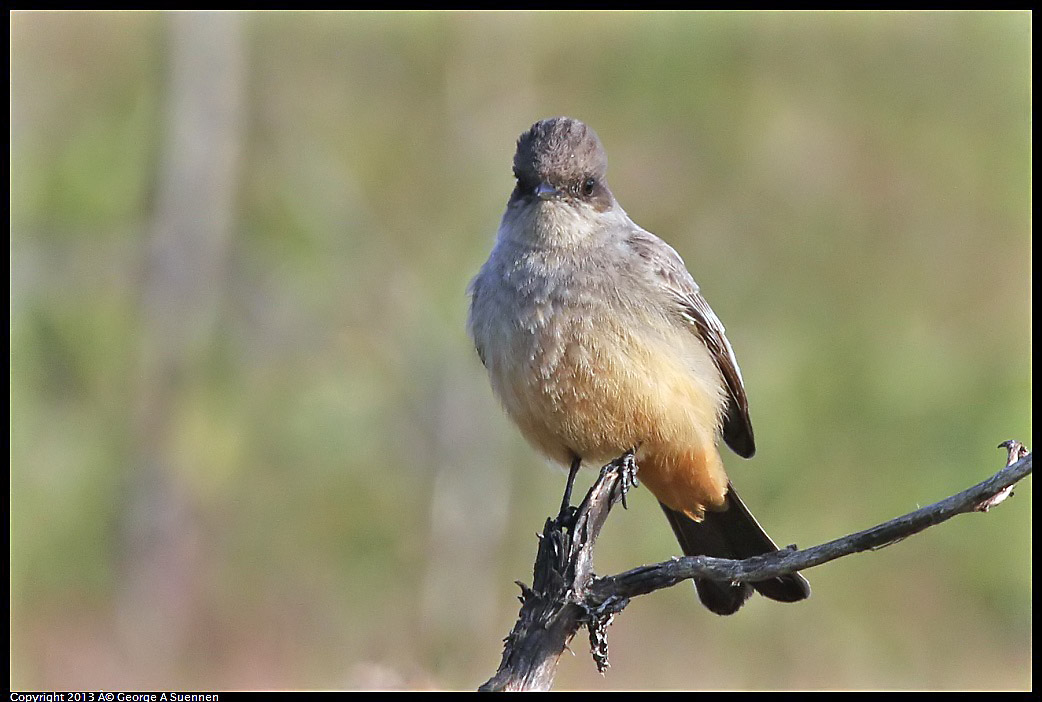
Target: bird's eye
x=589, y=185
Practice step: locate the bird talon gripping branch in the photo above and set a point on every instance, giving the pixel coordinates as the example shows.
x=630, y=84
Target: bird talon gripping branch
x=626, y=466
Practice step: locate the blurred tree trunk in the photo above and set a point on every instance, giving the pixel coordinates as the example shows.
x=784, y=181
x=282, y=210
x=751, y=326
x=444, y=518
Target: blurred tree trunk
x=182, y=285
x=463, y=540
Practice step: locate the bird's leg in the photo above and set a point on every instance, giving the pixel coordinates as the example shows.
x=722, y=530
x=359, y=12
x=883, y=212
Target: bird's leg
x=566, y=502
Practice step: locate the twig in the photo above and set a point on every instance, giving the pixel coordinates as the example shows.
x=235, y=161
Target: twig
x=566, y=595
x=654, y=577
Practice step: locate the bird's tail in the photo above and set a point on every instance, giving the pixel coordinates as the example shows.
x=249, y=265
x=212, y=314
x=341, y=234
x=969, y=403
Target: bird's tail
x=732, y=533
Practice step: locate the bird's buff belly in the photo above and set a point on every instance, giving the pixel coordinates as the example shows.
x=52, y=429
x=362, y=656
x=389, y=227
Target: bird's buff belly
x=599, y=395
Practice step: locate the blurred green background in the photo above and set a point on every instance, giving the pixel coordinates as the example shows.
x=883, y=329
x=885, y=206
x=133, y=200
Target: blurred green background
x=252, y=446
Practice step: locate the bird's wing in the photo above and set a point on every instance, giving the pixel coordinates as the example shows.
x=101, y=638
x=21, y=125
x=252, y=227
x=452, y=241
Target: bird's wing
x=693, y=309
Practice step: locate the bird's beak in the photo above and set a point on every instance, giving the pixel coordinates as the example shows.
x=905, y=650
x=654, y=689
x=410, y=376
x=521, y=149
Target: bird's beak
x=545, y=191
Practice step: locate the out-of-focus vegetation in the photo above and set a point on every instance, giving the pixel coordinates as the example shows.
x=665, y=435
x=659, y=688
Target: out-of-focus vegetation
x=317, y=489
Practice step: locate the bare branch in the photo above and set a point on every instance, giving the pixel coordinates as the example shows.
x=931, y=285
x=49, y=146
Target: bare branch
x=646, y=579
x=553, y=609
x=566, y=595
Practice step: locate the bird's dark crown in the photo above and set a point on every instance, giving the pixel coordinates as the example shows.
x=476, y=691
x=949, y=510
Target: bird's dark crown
x=566, y=154
x=559, y=149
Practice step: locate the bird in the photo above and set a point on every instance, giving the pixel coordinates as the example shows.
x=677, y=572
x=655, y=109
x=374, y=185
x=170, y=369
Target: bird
x=597, y=341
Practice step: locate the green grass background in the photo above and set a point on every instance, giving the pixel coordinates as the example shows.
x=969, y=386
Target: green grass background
x=851, y=190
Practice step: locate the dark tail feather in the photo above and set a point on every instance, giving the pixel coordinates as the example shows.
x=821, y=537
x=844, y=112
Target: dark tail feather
x=732, y=533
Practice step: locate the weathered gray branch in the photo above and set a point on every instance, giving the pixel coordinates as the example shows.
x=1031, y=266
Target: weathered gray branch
x=566, y=595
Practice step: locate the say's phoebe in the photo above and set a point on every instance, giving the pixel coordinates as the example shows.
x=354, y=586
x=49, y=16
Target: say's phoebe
x=597, y=341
